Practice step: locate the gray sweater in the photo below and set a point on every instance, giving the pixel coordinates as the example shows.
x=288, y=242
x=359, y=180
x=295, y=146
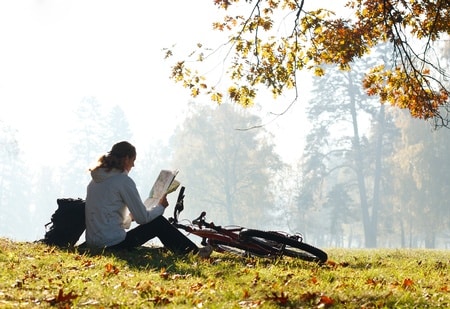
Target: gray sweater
x=109, y=199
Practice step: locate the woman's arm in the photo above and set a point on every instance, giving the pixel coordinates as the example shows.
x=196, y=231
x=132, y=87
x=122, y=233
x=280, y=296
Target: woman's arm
x=139, y=212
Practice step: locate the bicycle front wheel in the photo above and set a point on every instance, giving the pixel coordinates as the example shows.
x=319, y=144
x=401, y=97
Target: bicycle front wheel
x=285, y=245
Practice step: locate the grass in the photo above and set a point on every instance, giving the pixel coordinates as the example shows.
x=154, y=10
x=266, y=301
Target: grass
x=34, y=275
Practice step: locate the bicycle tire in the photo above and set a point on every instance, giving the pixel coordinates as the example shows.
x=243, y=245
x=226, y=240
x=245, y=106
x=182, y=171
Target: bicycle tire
x=242, y=248
x=286, y=245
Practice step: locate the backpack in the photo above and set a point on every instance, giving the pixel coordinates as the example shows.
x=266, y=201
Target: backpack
x=67, y=223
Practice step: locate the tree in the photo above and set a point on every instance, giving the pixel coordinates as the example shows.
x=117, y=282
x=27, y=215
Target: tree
x=263, y=56
x=97, y=129
x=117, y=126
x=421, y=170
x=226, y=171
x=340, y=204
x=45, y=191
x=15, y=201
x=340, y=143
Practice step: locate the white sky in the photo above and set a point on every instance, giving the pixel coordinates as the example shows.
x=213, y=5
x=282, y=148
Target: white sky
x=55, y=53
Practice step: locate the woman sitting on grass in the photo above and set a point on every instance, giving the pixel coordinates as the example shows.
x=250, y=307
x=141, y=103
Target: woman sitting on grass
x=113, y=201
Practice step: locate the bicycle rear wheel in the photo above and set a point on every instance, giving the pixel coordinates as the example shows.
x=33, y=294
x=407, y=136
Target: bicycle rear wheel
x=285, y=245
x=243, y=248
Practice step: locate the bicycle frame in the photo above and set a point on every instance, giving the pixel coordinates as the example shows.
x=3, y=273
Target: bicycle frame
x=237, y=239
x=216, y=235
x=205, y=230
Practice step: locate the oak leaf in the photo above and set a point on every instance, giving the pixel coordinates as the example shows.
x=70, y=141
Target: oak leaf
x=281, y=299
x=62, y=298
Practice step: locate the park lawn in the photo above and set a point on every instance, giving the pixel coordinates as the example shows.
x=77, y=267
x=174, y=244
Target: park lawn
x=34, y=275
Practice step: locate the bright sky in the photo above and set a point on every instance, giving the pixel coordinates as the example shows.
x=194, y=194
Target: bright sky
x=55, y=53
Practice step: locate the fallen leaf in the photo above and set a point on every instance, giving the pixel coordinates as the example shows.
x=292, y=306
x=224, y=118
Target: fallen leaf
x=246, y=294
x=111, y=269
x=308, y=296
x=160, y=300
x=250, y=303
x=407, y=283
x=196, y=286
x=372, y=281
x=256, y=279
x=88, y=264
x=62, y=298
x=331, y=263
x=325, y=300
x=164, y=275
x=178, y=276
x=282, y=299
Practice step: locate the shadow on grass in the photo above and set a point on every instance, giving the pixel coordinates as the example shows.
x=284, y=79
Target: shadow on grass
x=163, y=260
x=151, y=258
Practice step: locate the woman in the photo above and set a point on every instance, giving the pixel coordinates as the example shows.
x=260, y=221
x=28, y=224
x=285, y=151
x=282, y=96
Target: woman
x=112, y=202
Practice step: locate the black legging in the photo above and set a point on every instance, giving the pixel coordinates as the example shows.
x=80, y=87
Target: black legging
x=169, y=235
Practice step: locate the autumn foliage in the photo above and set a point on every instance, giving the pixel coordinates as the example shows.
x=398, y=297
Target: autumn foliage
x=410, y=77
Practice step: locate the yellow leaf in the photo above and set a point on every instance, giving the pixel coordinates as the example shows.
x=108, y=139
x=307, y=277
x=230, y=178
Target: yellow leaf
x=318, y=71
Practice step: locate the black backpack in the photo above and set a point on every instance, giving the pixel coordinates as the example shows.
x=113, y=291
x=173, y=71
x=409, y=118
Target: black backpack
x=67, y=223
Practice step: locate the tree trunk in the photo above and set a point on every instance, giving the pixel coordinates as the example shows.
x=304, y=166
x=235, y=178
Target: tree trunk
x=377, y=177
x=370, y=240
x=229, y=203
x=403, y=236
x=430, y=240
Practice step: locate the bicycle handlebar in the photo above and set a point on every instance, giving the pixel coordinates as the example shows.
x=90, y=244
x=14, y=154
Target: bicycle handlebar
x=181, y=194
x=179, y=207
x=200, y=221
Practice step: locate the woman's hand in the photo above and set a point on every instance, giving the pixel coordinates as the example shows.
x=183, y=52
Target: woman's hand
x=163, y=201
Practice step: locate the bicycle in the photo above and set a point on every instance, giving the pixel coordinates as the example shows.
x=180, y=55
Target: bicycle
x=243, y=241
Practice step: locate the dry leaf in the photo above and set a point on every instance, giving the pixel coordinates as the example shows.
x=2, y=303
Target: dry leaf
x=246, y=294
x=282, y=299
x=160, y=300
x=372, y=281
x=164, y=275
x=250, y=303
x=331, y=263
x=61, y=298
x=308, y=296
x=88, y=264
x=407, y=283
x=111, y=269
x=196, y=286
x=325, y=300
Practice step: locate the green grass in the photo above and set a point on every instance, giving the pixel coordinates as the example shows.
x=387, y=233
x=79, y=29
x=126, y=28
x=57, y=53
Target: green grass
x=35, y=275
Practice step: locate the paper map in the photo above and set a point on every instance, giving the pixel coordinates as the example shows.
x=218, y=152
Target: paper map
x=164, y=184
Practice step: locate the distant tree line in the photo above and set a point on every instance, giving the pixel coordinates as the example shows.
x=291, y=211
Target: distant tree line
x=369, y=176
x=377, y=175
